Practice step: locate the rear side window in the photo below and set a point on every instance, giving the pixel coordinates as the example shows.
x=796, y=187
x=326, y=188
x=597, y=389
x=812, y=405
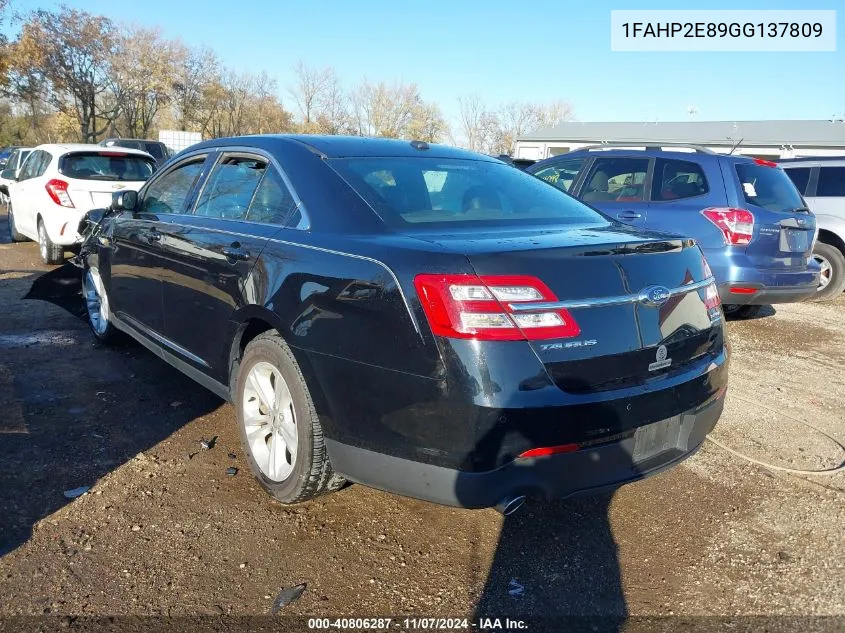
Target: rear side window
x=677, y=179
x=616, y=180
x=41, y=166
x=562, y=174
x=169, y=193
x=106, y=166
x=272, y=202
x=800, y=176
x=768, y=187
x=831, y=182
x=30, y=165
x=427, y=192
x=230, y=188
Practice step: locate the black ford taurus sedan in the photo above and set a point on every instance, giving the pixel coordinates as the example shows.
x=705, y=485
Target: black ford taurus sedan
x=413, y=317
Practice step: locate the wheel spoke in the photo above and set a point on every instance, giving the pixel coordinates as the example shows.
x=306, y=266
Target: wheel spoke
x=262, y=388
x=287, y=430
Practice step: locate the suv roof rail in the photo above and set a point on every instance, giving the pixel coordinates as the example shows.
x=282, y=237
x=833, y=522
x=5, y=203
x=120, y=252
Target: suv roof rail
x=699, y=149
x=815, y=159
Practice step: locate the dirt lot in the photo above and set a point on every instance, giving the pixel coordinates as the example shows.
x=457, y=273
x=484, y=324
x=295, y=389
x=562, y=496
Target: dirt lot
x=164, y=530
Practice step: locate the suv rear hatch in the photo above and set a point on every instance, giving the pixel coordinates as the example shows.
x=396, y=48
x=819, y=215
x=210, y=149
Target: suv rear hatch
x=783, y=226
x=630, y=297
x=93, y=176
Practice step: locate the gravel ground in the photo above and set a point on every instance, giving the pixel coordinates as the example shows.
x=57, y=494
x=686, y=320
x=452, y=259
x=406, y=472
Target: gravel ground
x=164, y=530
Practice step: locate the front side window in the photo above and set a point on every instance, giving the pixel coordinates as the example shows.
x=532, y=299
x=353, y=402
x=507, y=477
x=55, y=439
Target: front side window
x=831, y=182
x=616, y=180
x=230, y=188
x=106, y=166
x=427, y=192
x=273, y=202
x=562, y=174
x=169, y=192
x=768, y=187
x=800, y=176
x=677, y=179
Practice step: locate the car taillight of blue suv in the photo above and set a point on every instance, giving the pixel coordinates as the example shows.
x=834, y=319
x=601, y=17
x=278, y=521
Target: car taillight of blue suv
x=746, y=214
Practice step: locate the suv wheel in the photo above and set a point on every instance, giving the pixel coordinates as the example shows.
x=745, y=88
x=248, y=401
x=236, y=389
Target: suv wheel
x=97, y=305
x=280, y=430
x=50, y=253
x=13, y=230
x=832, y=277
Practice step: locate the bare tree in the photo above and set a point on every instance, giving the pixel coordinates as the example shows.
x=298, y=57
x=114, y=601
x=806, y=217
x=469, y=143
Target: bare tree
x=72, y=52
x=308, y=93
x=474, y=122
x=143, y=76
x=195, y=70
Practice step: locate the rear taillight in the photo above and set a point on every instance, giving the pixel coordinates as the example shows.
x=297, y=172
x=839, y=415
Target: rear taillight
x=473, y=307
x=737, y=225
x=712, y=300
x=57, y=189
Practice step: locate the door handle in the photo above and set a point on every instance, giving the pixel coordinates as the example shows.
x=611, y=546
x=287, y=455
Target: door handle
x=235, y=252
x=629, y=215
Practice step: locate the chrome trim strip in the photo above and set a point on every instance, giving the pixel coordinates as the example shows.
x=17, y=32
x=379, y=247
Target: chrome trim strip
x=159, y=338
x=605, y=301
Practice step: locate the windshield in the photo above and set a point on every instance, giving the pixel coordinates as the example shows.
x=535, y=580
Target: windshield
x=768, y=187
x=106, y=166
x=428, y=192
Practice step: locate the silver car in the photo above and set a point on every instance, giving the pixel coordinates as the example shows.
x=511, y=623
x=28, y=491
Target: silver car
x=822, y=183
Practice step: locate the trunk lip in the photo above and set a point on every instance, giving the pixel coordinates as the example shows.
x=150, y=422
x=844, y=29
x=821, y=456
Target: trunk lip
x=644, y=296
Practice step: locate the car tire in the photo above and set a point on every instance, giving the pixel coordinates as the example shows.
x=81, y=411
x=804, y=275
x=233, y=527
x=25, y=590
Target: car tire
x=832, y=279
x=280, y=430
x=50, y=253
x=97, y=306
x=733, y=311
x=14, y=235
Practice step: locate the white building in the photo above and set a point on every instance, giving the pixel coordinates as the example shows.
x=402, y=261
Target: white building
x=764, y=139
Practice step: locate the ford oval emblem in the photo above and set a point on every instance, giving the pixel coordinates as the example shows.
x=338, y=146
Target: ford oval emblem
x=655, y=295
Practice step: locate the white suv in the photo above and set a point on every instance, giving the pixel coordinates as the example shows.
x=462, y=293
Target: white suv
x=58, y=184
x=822, y=183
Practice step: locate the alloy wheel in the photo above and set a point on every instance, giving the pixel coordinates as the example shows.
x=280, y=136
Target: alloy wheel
x=42, y=240
x=270, y=421
x=96, y=300
x=826, y=272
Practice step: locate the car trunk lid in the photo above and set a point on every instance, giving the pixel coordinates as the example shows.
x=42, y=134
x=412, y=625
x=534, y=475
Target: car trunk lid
x=639, y=300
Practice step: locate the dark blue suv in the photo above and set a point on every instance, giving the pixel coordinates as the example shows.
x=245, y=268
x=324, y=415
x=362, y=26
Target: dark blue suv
x=749, y=219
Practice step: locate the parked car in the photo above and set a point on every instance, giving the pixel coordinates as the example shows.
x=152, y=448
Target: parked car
x=5, y=152
x=752, y=224
x=11, y=170
x=58, y=184
x=822, y=183
x=413, y=317
x=156, y=149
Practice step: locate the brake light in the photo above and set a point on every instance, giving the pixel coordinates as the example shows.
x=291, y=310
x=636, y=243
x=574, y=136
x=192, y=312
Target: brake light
x=481, y=308
x=113, y=154
x=57, y=190
x=764, y=162
x=737, y=225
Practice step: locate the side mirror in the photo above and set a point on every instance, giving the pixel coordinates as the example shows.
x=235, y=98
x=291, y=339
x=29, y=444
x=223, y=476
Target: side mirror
x=4, y=190
x=124, y=201
x=90, y=219
x=8, y=174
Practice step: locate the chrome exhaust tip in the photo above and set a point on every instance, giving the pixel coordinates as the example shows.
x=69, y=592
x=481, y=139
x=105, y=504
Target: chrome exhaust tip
x=509, y=505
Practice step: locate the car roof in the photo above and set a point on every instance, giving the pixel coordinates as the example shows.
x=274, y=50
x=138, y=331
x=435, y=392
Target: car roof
x=134, y=140
x=676, y=154
x=346, y=146
x=64, y=148
x=812, y=161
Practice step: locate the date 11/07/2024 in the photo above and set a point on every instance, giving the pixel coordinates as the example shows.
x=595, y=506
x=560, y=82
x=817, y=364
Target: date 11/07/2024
x=417, y=624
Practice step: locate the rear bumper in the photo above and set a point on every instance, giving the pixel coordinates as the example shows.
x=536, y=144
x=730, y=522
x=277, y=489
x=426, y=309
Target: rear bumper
x=553, y=477
x=62, y=224
x=771, y=285
x=764, y=295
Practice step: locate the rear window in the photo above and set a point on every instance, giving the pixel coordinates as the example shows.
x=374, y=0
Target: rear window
x=106, y=166
x=156, y=150
x=428, y=192
x=768, y=187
